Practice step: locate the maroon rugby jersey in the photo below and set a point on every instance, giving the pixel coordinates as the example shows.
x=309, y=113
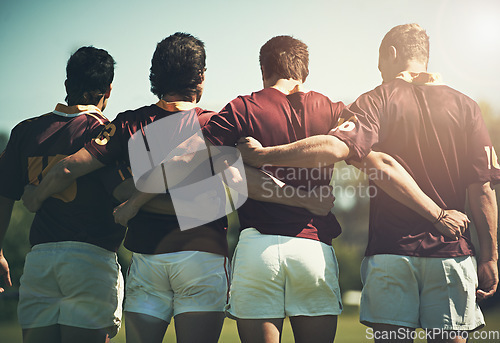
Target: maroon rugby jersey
x=83, y=212
x=439, y=136
x=150, y=233
x=274, y=118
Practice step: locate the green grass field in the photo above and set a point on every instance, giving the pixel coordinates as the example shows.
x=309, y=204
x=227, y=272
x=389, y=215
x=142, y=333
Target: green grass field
x=349, y=330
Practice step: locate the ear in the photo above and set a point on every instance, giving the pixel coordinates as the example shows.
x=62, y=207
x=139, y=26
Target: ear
x=108, y=92
x=393, y=53
x=263, y=72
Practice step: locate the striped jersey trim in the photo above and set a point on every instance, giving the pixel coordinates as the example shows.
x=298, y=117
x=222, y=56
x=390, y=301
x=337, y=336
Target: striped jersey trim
x=175, y=106
x=76, y=110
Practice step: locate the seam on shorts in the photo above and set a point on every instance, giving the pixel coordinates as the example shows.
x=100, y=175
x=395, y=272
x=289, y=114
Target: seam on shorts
x=390, y=322
x=89, y=327
x=150, y=313
x=316, y=314
x=228, y=281
x=189, y=309
x=232, y=315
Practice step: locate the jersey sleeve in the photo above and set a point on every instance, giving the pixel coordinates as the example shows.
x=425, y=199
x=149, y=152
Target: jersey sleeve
x=337, y=109
x=108, y=145
x=226, y=127
x=482, y=160
x=204, y=117
x=12, y=180
x=358, y=125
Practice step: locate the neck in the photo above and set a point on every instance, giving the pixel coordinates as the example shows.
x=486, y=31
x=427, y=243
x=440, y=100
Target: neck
x=101, y=105
x=177, y=98
x=415, y=67
x=287, y=86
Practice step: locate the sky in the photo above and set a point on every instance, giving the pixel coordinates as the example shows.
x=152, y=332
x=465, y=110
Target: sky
x=37, y=38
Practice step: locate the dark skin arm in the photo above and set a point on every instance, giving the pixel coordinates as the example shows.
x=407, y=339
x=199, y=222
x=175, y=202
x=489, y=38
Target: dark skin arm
x=6, y=206
x=60, y=177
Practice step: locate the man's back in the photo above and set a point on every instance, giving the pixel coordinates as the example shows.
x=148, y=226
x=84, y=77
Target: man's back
x=83, y=212
x=439, y=136
x=275, y=118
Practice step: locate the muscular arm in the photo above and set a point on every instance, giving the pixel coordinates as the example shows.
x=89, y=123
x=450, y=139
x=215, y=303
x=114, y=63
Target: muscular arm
x=263, y=187
x=484, y=211
x=393, y=179
x=6, y=206
x=325, y=150
x=314, y=151
x=161, y=204
x=260, y=185
x=60, y=177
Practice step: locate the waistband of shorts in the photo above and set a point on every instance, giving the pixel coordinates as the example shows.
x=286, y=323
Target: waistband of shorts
x=253, y=232
x=74, y=246
x=423, y=258
x=177, y=256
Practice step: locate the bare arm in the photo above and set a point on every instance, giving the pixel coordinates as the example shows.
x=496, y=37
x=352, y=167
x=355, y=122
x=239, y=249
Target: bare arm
x=160, y=204
x=315, y=151
x=484, y=211
x=263, y=187
x=187, y=156
x=393, y=179
x=6, y=206
x=60, y=177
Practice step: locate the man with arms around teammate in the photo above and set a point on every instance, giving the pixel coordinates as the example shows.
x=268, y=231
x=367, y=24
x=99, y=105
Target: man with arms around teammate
x=173, y=272
x=71, y=289
x=278, y=244
x=413, y=276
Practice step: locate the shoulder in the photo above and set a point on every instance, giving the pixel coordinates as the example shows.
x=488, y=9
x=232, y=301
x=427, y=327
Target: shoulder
x=135, y=114
x=96, y=118
x=266, y=94
x=204, y=115
x=323, y=99
x=31, y=124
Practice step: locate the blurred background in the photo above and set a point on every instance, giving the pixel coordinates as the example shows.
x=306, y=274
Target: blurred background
x=37, y=38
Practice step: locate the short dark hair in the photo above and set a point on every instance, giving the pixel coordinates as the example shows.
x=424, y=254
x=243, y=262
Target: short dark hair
x=410, y=40
x=286, y=57
x=89, y=73
x=177, y=66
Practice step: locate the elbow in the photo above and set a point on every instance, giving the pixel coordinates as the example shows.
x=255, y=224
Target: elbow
x=484, y=189
x=336, y=151
x=64, y=173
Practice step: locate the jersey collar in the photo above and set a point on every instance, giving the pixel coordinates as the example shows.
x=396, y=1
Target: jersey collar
x=175, y=106
x=423, y=78
x=76, y=110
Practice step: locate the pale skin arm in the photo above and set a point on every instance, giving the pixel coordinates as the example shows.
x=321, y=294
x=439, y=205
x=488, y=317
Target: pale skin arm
x=323, y=150
x=393, y=179
x=260, y=187
x=484, y=211
x=60, y=177
x=6, y=206
x=263, y=187
x=160, y=204
x=311, y=152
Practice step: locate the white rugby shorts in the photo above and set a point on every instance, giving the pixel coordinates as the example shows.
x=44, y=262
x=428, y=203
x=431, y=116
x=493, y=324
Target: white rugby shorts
x=71, y=283
x=166, y=285
x=420, y=292
x=276, y=276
